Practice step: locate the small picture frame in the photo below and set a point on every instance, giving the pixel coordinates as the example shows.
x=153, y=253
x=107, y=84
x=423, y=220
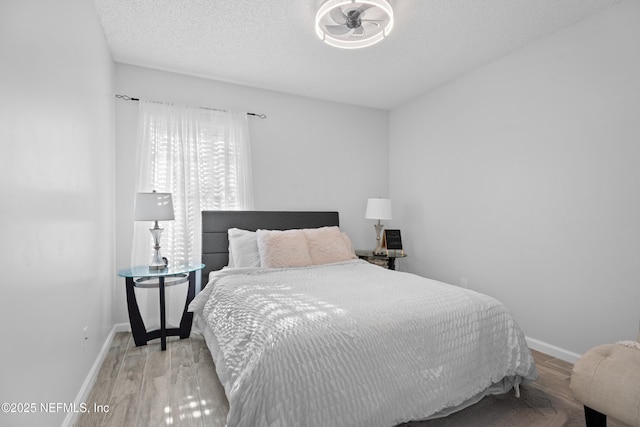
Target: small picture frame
x=392, y=241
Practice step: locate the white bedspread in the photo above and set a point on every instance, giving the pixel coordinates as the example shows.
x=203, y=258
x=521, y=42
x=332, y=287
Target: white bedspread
x=353, y=344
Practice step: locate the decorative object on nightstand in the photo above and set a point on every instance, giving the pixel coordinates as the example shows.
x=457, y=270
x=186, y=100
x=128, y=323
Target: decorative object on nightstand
x=392, y=242
x=379, y=209
x=384, y=260
x=154, y=207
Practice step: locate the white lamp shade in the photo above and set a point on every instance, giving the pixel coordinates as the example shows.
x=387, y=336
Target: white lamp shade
x=378, y=209
x=153, y=207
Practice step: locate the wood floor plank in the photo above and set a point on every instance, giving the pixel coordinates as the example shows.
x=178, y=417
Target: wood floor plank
x=185, y=401
x=213, y=401
x=124, y=403
x=121, y=339
x=155, y=403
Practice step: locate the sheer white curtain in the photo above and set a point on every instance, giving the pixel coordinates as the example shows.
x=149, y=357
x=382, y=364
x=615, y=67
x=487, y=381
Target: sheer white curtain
x=203, y=158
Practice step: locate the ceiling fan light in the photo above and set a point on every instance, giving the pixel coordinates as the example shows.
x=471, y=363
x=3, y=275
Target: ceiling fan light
x=348, y=40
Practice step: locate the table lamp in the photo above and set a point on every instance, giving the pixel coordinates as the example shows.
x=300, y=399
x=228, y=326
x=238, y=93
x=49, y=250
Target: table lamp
x=379, y=209
x=154, y=207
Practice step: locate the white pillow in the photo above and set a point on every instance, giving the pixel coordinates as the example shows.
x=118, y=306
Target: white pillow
x=327, y=245
x=282, y=249
x=243, y=248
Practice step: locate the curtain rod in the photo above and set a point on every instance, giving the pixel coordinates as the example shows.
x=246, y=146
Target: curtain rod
x=129, y=98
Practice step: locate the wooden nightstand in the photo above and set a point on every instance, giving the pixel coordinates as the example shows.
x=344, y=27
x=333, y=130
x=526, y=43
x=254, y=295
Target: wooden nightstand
x=386, y=260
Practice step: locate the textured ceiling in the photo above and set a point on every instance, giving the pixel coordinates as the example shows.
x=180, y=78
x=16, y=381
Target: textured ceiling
x=272, y=44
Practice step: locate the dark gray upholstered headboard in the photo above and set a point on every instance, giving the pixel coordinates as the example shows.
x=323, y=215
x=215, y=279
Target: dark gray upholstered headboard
x=215, y=243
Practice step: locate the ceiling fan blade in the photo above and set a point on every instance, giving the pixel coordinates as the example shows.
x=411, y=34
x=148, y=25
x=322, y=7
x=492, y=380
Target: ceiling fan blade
x=358, y=31
x=375, y=22
x=338, y=30
x=363, y=8
x=338, y=15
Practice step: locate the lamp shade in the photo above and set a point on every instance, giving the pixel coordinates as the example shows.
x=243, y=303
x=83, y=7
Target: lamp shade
x=153, y=207
x=378, y=209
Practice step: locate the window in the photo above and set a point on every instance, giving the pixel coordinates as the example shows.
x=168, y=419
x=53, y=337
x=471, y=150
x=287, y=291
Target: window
x=203, y=158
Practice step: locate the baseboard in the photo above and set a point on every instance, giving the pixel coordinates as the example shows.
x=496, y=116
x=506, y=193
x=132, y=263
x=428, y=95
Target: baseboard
x=552, y=350
x=122, y=327
x=88, y=383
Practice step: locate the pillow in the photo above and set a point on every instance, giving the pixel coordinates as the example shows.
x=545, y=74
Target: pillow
x=281, y=249
x=327, y=245
x=349, y=244
x=243, y=248
x=230, y=251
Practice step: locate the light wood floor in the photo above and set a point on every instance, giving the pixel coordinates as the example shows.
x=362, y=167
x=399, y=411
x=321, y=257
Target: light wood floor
x=143, y=386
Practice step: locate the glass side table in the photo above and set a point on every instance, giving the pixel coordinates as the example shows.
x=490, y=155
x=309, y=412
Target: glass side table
x=388, y=260
x=142, y=277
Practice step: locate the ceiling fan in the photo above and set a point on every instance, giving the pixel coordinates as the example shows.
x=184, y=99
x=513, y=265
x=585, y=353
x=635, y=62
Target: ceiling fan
x=353, y=24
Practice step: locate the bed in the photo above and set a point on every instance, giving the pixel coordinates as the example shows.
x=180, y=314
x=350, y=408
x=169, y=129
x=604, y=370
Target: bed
x=345, y=342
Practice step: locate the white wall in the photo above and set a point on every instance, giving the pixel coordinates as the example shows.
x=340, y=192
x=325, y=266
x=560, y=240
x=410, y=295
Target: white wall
x=522, y=177
x=307, y=154
x=57, y=215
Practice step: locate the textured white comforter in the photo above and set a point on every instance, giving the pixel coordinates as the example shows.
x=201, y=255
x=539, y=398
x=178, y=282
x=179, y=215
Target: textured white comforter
x=353, y=344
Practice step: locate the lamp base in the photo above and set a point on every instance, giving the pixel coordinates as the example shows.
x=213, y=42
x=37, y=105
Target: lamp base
x=158, y=262
x=157, y=267
x=379, y=250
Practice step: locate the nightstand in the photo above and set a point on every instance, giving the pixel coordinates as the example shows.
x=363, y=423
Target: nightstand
x=386, y=260
x=142, y=277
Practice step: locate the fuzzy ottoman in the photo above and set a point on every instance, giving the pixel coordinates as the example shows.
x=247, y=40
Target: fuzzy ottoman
x=606, y=380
